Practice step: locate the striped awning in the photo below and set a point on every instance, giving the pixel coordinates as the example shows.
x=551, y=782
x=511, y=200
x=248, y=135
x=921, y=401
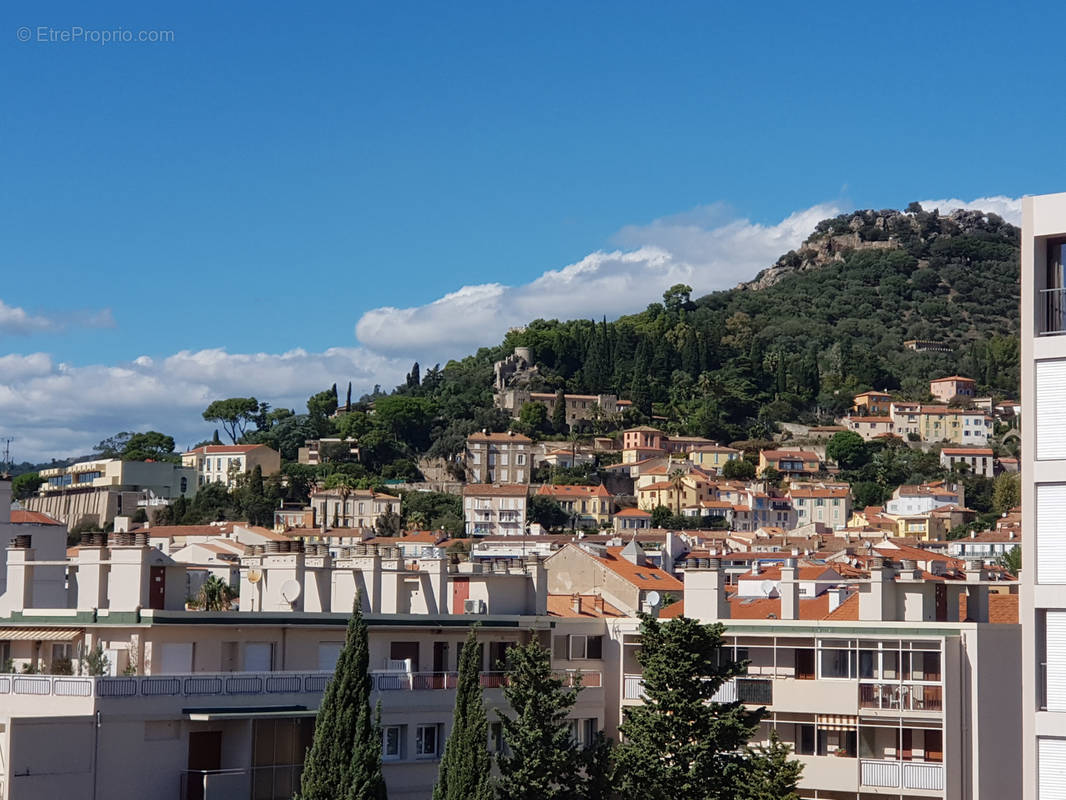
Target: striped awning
x=39, y=634
x=834, y=722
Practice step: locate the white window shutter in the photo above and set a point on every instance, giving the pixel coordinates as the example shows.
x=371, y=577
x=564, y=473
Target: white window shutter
x=1051, y=769
x=1051, y=533
x=1050, y=410
x=1055, y=643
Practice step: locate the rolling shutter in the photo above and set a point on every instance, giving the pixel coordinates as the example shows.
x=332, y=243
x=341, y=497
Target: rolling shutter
x=1051, y=532
x=1051, y=769
x=1055, y=645
x=1050, y=410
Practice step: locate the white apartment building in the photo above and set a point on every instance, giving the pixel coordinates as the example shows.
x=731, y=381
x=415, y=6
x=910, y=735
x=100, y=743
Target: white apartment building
x=1043, y=469
x=223, y=463
x=495, y=510
x=351, y=508
x=499, y=457
x=826, y=504
x=980, y=460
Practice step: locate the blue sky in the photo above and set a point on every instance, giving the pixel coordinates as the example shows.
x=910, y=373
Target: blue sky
x=270, y=178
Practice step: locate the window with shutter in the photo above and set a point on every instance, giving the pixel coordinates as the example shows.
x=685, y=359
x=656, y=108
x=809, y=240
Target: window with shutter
x=1050, y=410
x=559, y=648
x=1051, y=768
x=595, y=647
x=1055, y=649
x=1051, y=532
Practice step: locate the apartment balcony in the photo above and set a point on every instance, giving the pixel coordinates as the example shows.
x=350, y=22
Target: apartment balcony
x=911, y=775
x=750, y=691
x=901, y=697
x=1052, y=312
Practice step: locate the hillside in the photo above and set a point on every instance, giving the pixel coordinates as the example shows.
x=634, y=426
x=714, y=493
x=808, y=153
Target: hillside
x=826, y=321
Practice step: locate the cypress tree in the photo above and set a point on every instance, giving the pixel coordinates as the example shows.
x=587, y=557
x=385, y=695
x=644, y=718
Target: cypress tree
x=559, y=412
x=465, y=768
x=542, y=762
x=344, y=760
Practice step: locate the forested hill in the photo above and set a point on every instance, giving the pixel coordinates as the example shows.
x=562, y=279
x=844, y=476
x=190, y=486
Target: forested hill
x=825, y=322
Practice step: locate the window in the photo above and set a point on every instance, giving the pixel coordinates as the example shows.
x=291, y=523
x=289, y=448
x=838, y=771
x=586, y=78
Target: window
x=427, y=738
x=520, y=459
x=392, y=737
x=837, y=664
x=578, y=648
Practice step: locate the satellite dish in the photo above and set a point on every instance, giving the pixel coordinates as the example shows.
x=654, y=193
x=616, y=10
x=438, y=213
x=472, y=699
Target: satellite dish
x=290, y=590
x=254, y=576
x=768, y=587
x=653, y=599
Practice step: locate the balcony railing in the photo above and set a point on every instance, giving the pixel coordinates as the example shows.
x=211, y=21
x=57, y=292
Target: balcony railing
x=428, y=681
x=901, y=775
x=750, y=691
x=901, y=696
x=1053, y=321
x=279, y=782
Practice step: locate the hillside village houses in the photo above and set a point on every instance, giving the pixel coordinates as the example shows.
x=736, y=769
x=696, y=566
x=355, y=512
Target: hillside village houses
x=351, y=508
x=499, y=457
x=864, y=652
x=224, y=463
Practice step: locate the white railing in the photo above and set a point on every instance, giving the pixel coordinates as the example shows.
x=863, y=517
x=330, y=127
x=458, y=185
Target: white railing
x=194, y=685
x=919, y=775
x=902, y=775
x=727, y=693
x=632, y=687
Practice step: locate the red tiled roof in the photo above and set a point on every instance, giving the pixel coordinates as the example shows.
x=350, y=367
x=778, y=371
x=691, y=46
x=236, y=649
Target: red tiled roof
x=953, y=378
x=802, y=455
x=209, y=449
x=967, y=451
x=646, y=577
x=1002, y=608
x=495, y=489
x=19, y=517
x=571, y=491
x=562, y=605
x=633, y=512
x=511, y=436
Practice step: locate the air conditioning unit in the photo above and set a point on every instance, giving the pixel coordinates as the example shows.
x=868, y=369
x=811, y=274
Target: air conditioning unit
x=474, y=607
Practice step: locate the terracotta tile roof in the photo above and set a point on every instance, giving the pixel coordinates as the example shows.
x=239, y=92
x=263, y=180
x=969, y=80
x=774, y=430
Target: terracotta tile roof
x=673, y=611
x=1002, y=608
x=875, y=420
x=658, y=486
x=804, y=572
x=953, y=378
x=516, y=438
x=799, y=455
x=573, y=491
x=646, y=577
x=19, y=517
x=562, y=605
x=824, y=491
x=495, y=490
x=210, y=449
x=967, y=451
x=633, y=512
x=848, y=611
x=266, y=533
x=873, y=394
x=173, y=531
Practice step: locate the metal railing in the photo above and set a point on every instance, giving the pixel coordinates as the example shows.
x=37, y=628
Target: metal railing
x=901, y=696
x=279, y=782
x=921, y=775
x=1054, y=312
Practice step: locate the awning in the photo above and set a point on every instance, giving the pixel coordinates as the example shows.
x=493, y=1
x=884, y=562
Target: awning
x=236, y=712
x=832, y=722
x=40, y=634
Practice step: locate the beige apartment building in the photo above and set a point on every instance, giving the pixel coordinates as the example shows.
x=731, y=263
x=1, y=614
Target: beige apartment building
x=224, y=463
x=824, y=503
x=1043, y=469
x=98, y=491
x=351, y=508
x=499, y=457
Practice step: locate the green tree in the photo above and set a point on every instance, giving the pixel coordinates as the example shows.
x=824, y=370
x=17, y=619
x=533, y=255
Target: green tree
x=677, y=483
x=559, y=413
x=661, y=517
x=1011, y=561
x=233, y=414
x=680, y=743
x=344, y=760
x=848, y=450
x=547, y=512
x=738, y=469
x=1006, y=492
x=533, y=418
x=542, y=761
x=150, y=446
x=25, y=485
x=772, y=775
x=466, y=766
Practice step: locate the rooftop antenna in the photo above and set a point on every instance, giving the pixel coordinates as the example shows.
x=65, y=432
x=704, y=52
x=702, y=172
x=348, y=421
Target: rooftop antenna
x=5, y=462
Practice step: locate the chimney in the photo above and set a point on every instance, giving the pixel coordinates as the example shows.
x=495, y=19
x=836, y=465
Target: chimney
x=575, y=603
x=788, y=589
x=597, y=604
x=837, y=596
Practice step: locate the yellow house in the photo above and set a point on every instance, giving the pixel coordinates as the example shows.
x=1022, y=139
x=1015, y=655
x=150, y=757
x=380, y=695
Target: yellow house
x=871, y=404
x=694, y=490
x=591, y=506
x=712, y=456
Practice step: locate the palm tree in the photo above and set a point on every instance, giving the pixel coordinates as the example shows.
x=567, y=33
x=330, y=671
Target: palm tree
x=677, y=480
x=344, y=484
x=215, y=595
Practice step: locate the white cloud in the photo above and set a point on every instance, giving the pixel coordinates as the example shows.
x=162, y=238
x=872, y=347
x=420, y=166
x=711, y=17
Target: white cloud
x=706, y=248
x=16, y=320
x=55, y=409
x=1010, y=208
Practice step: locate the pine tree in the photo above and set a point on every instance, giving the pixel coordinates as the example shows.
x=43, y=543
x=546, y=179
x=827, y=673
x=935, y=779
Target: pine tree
x=542, y=762
x=465, y=768
x=344, y=760
x=772, y=775
x=679, y=744
x=559, y=412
